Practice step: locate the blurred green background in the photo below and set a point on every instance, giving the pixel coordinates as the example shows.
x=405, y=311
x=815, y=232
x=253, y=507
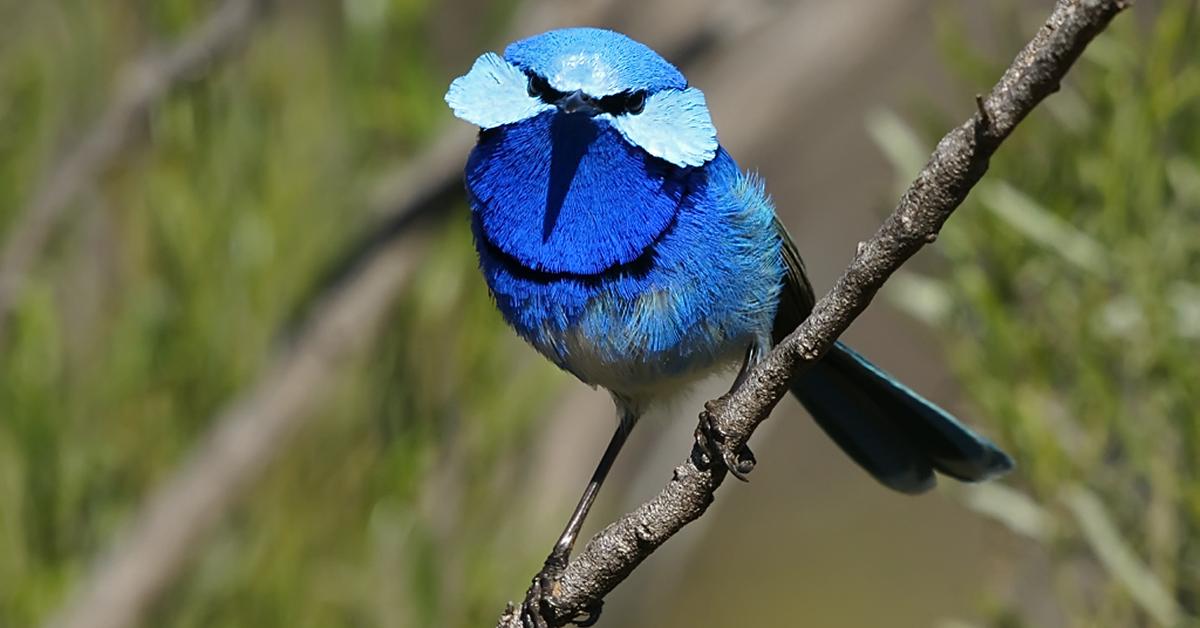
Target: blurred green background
x=1060, y=311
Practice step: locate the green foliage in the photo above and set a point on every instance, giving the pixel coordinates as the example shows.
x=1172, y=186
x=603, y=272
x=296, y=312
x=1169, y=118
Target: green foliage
x=168, y=292
x=1071, y=312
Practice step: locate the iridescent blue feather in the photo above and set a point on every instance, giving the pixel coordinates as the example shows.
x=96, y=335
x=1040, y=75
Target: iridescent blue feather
x=701, y=292
x=597, y=61
x=625, y=244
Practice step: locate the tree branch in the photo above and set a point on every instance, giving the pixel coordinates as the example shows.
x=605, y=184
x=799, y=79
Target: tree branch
x=958, y=162
x=139, y=87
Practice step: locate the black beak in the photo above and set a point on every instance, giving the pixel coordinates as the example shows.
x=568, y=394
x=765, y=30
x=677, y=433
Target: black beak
x=578, y=102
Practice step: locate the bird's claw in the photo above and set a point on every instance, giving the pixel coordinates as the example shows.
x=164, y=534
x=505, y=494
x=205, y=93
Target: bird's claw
x=590, y=615
x=538, y=610
x=715, y=445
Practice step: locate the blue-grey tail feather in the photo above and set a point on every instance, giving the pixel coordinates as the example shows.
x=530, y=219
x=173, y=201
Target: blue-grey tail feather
x=898, y=436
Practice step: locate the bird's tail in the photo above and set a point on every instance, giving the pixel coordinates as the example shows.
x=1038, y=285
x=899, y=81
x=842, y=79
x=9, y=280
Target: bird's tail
x=899, y=437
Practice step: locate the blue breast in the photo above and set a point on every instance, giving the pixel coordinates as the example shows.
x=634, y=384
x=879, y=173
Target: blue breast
x=565, y=194
x=683, y=283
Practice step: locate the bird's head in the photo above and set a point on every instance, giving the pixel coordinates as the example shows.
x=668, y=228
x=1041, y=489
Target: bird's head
x=595, y=73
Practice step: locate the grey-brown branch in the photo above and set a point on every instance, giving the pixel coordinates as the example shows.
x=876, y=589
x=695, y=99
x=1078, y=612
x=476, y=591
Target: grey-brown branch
x=957, y=164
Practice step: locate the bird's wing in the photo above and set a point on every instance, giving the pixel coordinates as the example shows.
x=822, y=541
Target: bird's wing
x=897, y=435
x=797, y=299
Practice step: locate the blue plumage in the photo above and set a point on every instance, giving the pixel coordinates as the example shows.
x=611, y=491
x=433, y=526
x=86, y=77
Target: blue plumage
x=597, y=61
x=668, y=315
x=623, y=243
x=537, y=187
x=897, y=435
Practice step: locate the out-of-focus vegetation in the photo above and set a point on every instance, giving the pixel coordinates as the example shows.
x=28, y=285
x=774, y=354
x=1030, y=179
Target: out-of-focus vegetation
x=171, y=285
x=1071, y=313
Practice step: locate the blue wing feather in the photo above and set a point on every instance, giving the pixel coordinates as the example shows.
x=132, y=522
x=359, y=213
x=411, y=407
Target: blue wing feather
x=897, y=435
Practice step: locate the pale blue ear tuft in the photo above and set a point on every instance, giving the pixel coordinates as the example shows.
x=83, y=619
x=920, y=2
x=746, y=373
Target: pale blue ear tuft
x=494, y=93
x=675, y=125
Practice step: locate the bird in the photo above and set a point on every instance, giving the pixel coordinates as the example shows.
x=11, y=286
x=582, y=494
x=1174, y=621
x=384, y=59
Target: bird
x=623, y=242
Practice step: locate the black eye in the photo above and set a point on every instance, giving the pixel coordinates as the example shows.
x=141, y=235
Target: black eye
x=631, y=103
x=539, y=87
x=636, y=102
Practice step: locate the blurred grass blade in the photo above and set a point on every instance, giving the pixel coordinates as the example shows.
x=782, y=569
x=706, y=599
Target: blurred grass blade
x=1070, y=109
x=1184, y=299
x=1111, y=53
x=901, y=145
x=1118, y=558
x=1184, y=177
x=1041, y=225
x=1012, y=508
x=956, y=623
x=924, y=298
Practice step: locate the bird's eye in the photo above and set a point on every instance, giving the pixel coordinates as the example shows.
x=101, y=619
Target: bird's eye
x=636, y=102
x=631, y=103
x=539, y=87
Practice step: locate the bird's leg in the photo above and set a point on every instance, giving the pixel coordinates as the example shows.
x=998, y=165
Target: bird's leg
x=713, y=441
x=753, y=355
x=537, y=610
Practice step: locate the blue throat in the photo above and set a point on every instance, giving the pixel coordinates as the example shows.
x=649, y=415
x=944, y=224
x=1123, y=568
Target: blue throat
x=599, y=254
x=566, y=194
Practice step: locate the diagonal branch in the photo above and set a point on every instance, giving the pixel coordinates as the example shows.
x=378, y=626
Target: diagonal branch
x=140, y=86
x=958, y=162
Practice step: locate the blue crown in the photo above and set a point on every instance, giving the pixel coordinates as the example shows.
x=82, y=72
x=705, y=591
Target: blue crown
x=600, y=62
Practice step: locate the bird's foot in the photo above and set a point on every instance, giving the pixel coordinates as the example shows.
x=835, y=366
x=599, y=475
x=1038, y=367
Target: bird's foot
x=716, y=447
x=590, y=615
x=538, y=609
